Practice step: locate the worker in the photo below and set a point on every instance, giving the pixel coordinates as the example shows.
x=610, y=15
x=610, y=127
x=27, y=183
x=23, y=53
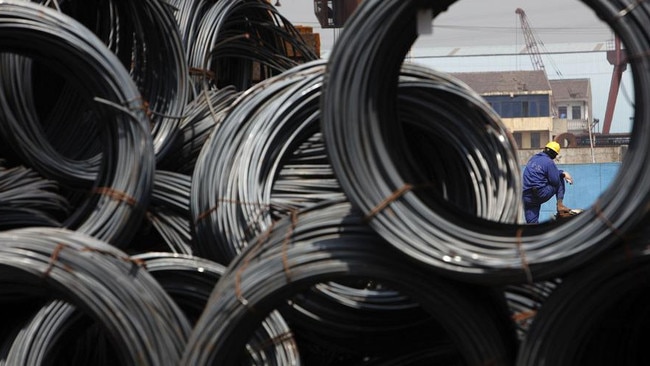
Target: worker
x=542, y=181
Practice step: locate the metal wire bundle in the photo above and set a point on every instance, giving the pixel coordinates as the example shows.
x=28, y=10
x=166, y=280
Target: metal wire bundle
x=356, y=318
x=61, y=121
x=28, y=139
x=239, y=42
x=202, y=116
x=27, y=199
x=168, y=214
x=189, y=280
x=524, y=300
x=305, y=177
x=146, y=37
x=329, y=242
x=478, y=175
x=233, y=177
x=115, y=207
x=144, y=325
x=598, y=315
x=271, y=157
x=359, y=124
x=57, y=332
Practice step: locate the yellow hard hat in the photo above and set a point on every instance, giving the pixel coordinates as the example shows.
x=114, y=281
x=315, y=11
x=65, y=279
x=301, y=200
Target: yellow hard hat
x=554, y=146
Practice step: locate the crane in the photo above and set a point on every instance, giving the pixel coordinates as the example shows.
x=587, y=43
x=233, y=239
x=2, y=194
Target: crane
x=532, y=46
x=617, y=58
x=531, y=41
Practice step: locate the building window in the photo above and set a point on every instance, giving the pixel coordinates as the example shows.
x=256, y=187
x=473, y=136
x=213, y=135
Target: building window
x=561, y=111
x=520, y=106
x=517, y=137
x=576, y=112
x=534, y=140
x=525, y=112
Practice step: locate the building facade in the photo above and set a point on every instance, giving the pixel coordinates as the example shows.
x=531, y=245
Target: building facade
x=536, y=110
x=524, y=100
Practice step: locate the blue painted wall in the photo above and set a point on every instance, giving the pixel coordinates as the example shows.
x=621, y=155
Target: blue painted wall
x=590, y=180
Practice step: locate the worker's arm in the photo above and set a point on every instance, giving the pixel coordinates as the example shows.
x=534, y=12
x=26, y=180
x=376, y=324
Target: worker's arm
x=567, y=177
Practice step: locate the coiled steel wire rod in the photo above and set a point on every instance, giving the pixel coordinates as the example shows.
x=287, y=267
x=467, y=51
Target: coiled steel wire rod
x=115, y=206
x=233, y=180
x=479, y=174
x=356, y=318
x=144, y=325
x=524, y=300
x=169, y=214
x=27, y=199
x=190, y=280
x=267, y=158
x=228, y=38
x=598, y=315
x=146, y=37
x=56, y=333
x=329, y=242
x=360, y=128
x=202, y=116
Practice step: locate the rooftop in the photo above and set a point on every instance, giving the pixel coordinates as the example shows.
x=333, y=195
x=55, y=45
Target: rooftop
x=505, y=82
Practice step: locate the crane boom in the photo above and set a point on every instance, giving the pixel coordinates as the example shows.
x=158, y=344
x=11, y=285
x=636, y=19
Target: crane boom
x=532, y=46
x=531, y=41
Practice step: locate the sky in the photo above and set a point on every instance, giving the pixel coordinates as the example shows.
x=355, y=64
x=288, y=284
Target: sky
x=474, y=24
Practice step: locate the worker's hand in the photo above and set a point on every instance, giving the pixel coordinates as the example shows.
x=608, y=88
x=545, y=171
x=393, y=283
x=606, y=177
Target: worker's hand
x=568, y=177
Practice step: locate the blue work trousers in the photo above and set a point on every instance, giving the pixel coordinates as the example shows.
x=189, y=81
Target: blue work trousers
x=534, y=198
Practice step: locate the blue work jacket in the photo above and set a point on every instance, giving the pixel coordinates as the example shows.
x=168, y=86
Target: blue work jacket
x=540, y=173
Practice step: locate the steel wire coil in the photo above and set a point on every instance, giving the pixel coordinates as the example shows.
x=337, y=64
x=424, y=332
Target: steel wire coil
x=189, y=280
x=291, y=130
x=356, y=318
x=168, y=214
x=242, y=156
x=215, y=165
x=202, y=116
x=144, y=325
x=359, y=125
x=524, y=300
x=81, y=146
x=478, y=175
x=49, y=334
x=27, y=199
x=239, y=43
x=329, y=242
x=305, y=177
x=268, y=158
x=28, y=137
x=115, y=206
x=598, y=315
x=146, y=37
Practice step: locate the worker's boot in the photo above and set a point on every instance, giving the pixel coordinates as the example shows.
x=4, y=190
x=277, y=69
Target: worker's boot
x=561, y=208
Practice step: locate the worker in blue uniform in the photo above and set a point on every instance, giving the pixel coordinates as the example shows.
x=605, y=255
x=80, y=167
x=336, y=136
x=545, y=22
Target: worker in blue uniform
x=542, y=180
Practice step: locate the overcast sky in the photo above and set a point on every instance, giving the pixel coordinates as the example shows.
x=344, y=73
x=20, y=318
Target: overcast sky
x=480, y=22
x=474, y=23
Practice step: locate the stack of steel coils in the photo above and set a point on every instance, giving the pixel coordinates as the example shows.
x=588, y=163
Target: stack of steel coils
x=177, y=189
